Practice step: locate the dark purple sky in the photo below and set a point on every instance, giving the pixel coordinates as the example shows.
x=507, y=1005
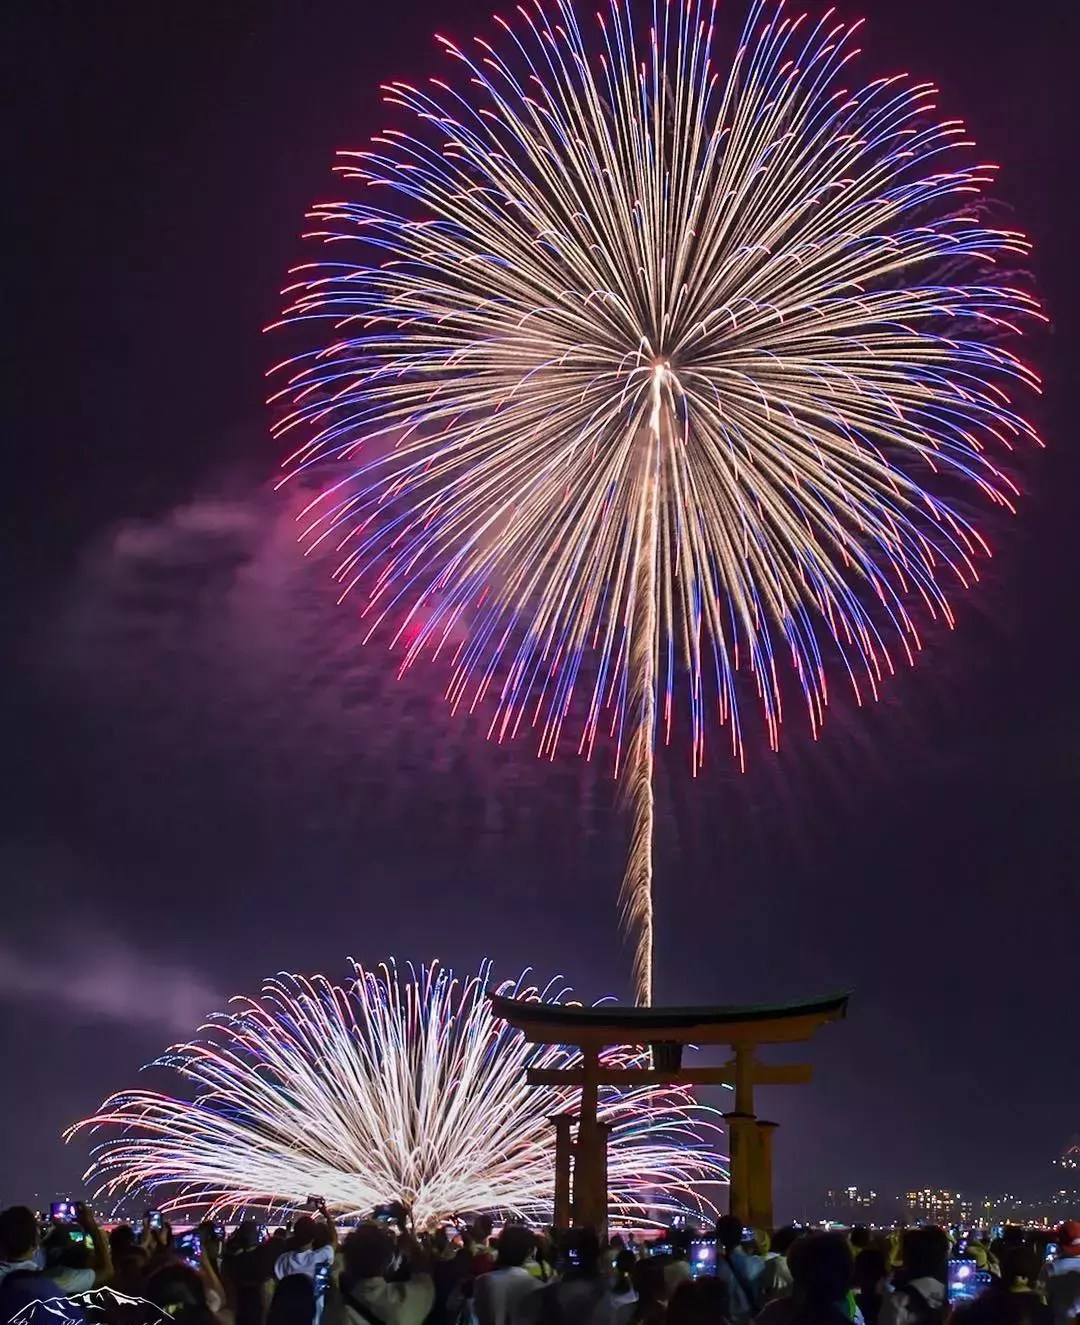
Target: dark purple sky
x=206, y=779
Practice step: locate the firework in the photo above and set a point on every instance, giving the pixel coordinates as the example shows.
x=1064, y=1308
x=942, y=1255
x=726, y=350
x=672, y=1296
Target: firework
x=388, y=1088
x=643, y=374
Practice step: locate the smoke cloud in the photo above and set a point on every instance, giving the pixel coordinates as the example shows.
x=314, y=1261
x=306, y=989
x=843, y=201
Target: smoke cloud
x=102, y=980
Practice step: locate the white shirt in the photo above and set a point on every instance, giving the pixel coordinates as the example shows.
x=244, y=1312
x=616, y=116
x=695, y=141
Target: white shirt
x=897, y=1308
x=1061, y=1283
x=498, y=1293
x=393, y=1304
x=72, y=1281
x=6, y=1267
x=675, y=1273
x=302, y=1262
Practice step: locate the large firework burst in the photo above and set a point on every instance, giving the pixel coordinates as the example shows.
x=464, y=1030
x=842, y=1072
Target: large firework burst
x=388, y=1088
x=641, y=368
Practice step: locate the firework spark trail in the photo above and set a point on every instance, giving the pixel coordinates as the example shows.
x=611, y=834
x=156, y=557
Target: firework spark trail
x=392, y=1088
x=636, y=894
x=589, y=226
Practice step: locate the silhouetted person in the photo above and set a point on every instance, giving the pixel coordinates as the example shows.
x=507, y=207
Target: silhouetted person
x=821, y=1276
x=293, y=1302
x=920, y=1294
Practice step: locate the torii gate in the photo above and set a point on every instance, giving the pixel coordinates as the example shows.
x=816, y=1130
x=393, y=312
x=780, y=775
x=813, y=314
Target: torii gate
x=667, y=1031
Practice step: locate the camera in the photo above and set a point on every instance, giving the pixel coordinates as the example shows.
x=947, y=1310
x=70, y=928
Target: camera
x=63, y=1212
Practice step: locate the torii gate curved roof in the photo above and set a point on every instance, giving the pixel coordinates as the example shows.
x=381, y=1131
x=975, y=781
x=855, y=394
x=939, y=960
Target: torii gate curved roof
x=612, y=1023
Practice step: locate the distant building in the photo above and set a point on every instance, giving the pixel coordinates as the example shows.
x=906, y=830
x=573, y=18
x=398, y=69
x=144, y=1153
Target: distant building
x=850, y=1205
x=937, y=1205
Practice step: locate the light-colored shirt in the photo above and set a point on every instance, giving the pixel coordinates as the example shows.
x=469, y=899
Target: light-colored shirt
x=6, y=1267
x=740, y=1272
x=302, y=1262
x=1061, y=1284
x=775, y=1278
x=73, y=1281
x=393, y=1304
x=498, y=1293
x=675, y=1273
x=898, y=1309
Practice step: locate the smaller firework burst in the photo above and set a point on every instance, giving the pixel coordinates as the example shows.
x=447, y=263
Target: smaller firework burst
x=392, y=1087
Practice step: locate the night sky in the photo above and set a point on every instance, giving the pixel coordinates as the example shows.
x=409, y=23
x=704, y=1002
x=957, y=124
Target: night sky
x=208, y=780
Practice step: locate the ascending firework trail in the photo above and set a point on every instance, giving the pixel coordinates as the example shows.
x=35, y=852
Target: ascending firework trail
x=643, y=379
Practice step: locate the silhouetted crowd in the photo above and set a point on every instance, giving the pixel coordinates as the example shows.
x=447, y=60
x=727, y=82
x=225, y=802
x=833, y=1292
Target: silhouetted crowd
x=381, y=1273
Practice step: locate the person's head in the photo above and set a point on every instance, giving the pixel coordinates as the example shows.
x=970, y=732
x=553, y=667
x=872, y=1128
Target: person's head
x=516, y=1245
x=679, y=1241
x=368, y=1252
x=926, y=1253
x=129, y=1270
x=245, y=1237
x=293, y=1302
x=63, y=1252
x=1020, y=1267
x=18, y=1233
x=121, y=1240
x=625, y=1260
x=303, y=1234
x=821, y=1267
x=179, y=1292
x=650, y=1282
x=783, y=1238
x=482, y=1227
x=729, y=1232
x=871, y=1267
x=860, y=1237
x=581, y=1253
x=1068, y=1238
x=699, y=1302
x=616, y=1243
x=322, y=1236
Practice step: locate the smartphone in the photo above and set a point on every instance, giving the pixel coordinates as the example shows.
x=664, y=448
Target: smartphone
x=78, y=1235
x=966, y=1281
x=260, y=1232
x=137, y=1228
x=154, y=1219
x=322, y=1280
x=1051, y=1249
x=702, y=1259
x=62, y=1212
x=189, y=1248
